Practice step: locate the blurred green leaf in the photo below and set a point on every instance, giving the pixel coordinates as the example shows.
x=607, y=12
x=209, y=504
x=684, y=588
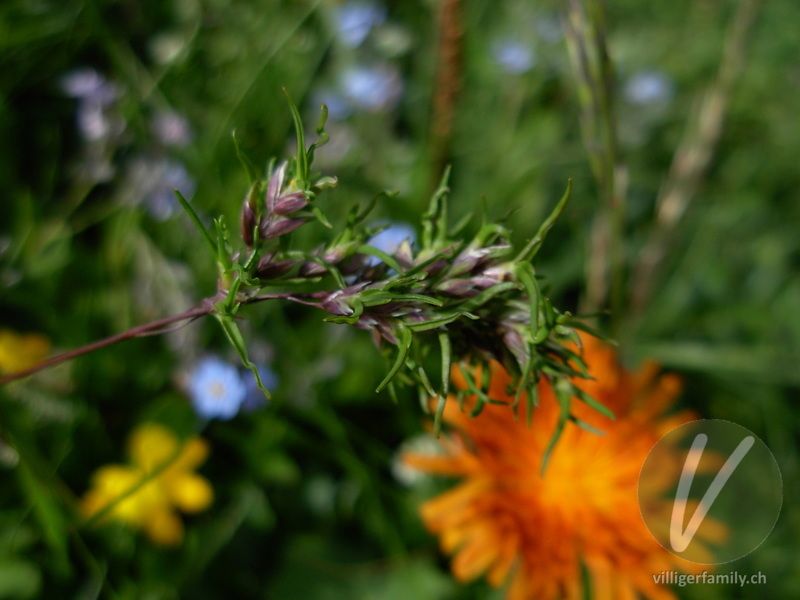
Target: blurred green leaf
x=48, y=511
x=19, y=579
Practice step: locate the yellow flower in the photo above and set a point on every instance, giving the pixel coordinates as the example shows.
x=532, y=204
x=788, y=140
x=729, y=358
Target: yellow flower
x=535, y=534
x=160, y=479
x=20, y=351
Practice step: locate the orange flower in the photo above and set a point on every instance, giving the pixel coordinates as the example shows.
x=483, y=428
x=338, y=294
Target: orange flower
x=537, y=533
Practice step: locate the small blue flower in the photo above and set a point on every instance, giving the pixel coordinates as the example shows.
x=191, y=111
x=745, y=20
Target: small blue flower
x=171, y=129
x=355, y=20
x=389, y=240
x=89, y=86
x=151, y=181
x=96, y=124
x=513, y=56
x=216, y=388
x=96, y=117
x=649, y=87
x=172, y=176
x=372, y=88
x=254, y=398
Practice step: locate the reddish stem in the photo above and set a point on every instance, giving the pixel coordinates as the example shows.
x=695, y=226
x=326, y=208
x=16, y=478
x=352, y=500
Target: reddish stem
x=203, y=308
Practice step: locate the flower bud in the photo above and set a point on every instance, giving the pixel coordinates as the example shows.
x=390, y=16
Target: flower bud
x=278, y=226
x=436, y=267
x=249, y=216
x=267, y=269
x=333, y=256
x=290, y=203
x=274, y=187
x=336, y=303
x=337, y=254
x=460, y=288
x=405, y=254
x=468, y=287
x=381, y=330
x=248, y=224
x=312, y=269
x=471, y=257
x=439, y=265
x=516, y=344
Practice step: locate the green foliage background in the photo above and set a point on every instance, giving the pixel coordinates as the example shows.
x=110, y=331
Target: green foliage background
x=307, y=505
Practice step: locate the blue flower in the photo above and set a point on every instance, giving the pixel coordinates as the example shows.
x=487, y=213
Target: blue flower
x=649, y=87
x=97, y=121
x=355, y=20
x=172, y=176
x=89, y=86
x=389, y=240
x=151, y=180
x=514, y=56
x=372, y=88
x=216, y=388
x=171, y=129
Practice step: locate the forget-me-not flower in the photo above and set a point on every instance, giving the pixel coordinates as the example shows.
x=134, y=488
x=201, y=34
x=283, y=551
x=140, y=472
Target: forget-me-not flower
x=355, y=20
x=96, y=96
x=171, y=129
x=513, y=56
x=372, y=88
x=389, y=240
x=88, y=85
x=152, y=181
x=216, y=388
x=649, y=87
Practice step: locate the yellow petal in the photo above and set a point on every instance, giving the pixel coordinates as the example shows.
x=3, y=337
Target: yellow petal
x=193, y=454
x=152, y=445
x=91, y=503
x=113, y=484
x=164, y=527
x=190, y=492
x=114, y=477
x=18, y=352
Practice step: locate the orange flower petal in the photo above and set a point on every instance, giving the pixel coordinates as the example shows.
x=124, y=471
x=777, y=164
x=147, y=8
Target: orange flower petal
x=507, y=522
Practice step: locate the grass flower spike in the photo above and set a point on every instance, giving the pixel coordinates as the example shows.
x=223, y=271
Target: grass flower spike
x=160, y=480
x=535, y=533
x=446, y=296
